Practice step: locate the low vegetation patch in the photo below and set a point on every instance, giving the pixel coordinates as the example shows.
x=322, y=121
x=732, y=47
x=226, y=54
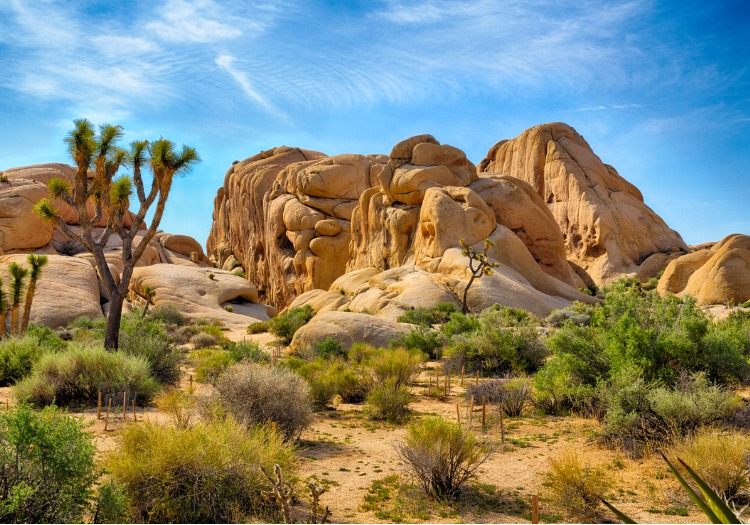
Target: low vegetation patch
x=576, y=487
x=207, y=473
x=286, y=325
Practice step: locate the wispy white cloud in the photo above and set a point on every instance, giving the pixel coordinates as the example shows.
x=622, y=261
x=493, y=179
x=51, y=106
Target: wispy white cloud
x=193, y=21
x=607, y=108
x=226, y=63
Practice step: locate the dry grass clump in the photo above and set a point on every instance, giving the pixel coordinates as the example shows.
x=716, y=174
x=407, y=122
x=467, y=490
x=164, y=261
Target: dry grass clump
x=256, y=394
x=179, y=405
x=512, y=394
x=203, y=340
x=721, y=459
x=207, y=473
x=576, y=487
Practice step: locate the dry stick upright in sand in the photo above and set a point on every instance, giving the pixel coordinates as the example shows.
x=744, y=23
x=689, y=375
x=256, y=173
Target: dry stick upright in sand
x=462, y=375
x=135, y=418
x=458, y=413
x=99, y=405
x=534, y=509
x=484, y=412
x=471, y=411
x=502, y=426
x=124, y=404
x=106, y=420
x=447, y=391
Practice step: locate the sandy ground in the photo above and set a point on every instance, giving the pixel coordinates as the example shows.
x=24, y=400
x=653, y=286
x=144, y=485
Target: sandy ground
x=348, y=452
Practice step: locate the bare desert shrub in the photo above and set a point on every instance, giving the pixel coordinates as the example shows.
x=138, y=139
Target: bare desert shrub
x=512, y=394
x=577, y=488
x=721, y=459
x=207, y=473
x=442, y=456
x=256, y=394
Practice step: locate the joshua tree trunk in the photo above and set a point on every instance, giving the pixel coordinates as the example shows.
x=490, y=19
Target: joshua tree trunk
x=30, y=291
x=4, y=325
x=112, y=335
x=14, y=311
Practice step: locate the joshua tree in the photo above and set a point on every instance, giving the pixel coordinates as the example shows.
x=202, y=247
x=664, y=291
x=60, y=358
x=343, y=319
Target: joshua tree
x=18, y=275
x=3, y=311
x=149, y=294
x=36, y=262
x=483, y=266
x=111, y=199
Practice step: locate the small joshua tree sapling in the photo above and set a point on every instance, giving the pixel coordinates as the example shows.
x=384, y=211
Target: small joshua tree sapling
x=479, y=265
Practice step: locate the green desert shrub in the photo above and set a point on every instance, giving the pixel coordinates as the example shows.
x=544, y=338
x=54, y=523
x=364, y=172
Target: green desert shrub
x=507, y=342
x=164, y=358
x=460, y=323
x=255, y=394
x=168, y=315
x=257, y=328
x=329, y=378
x=207, y=473
x=428, y=317
x=75, y=376
x=17, y=358
x=328, y=348
x=287, y=324
x=441, y=455
x=47, y=468
x=571, y=315
x=719, y=458
x=45, y=336
x=210, y=364
x=424, y=340
x=388, y=401
x=203, y=340
x=641, y=414
x=248, y=351
x=511, y=394
x=576, y=487
x=399, y=364
x=112, y=504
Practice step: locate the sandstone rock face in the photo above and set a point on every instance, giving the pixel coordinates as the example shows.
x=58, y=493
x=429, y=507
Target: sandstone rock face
x=387, y=254
x=66, y=290
x=716, y=275
x=20, y=228
x=198, y=295
x=285, y=215
x=349, y=328
x=607, y=229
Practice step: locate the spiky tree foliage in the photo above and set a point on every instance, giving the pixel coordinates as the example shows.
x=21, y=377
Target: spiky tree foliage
x=4, y=307
x=98, y=152
x=37, y=262
x=18, y=276
x=148, y=293
x=479, y=265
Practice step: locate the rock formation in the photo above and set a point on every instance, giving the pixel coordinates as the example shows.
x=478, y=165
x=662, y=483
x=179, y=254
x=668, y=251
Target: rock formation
x=385, y=237
x=713, y=275
x=173, y=265
x=607, y=229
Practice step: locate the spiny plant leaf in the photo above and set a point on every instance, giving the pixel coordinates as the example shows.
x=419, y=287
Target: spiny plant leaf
x=58, y=187
x=710, y=514
x=713, y=500
x=45, y=210
x=620, y=515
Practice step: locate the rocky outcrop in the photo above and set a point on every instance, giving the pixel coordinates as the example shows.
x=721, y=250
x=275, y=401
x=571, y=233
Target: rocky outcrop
x=284, y=215
x=397, y=245
x=349, y=328
x=200, y=292
x=67, y=290
x=714, y=275
x=607, y=229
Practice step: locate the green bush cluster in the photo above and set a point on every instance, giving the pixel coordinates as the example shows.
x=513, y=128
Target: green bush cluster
x=506, y=341
x=287, y=324
x=47, y=468
x=17, y=358
x=207, y=473
x=424, y=340
x=511, y=394
x=76, y=375
x=428, y=317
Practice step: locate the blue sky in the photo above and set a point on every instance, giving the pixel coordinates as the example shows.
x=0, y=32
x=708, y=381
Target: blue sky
x=661, y=90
